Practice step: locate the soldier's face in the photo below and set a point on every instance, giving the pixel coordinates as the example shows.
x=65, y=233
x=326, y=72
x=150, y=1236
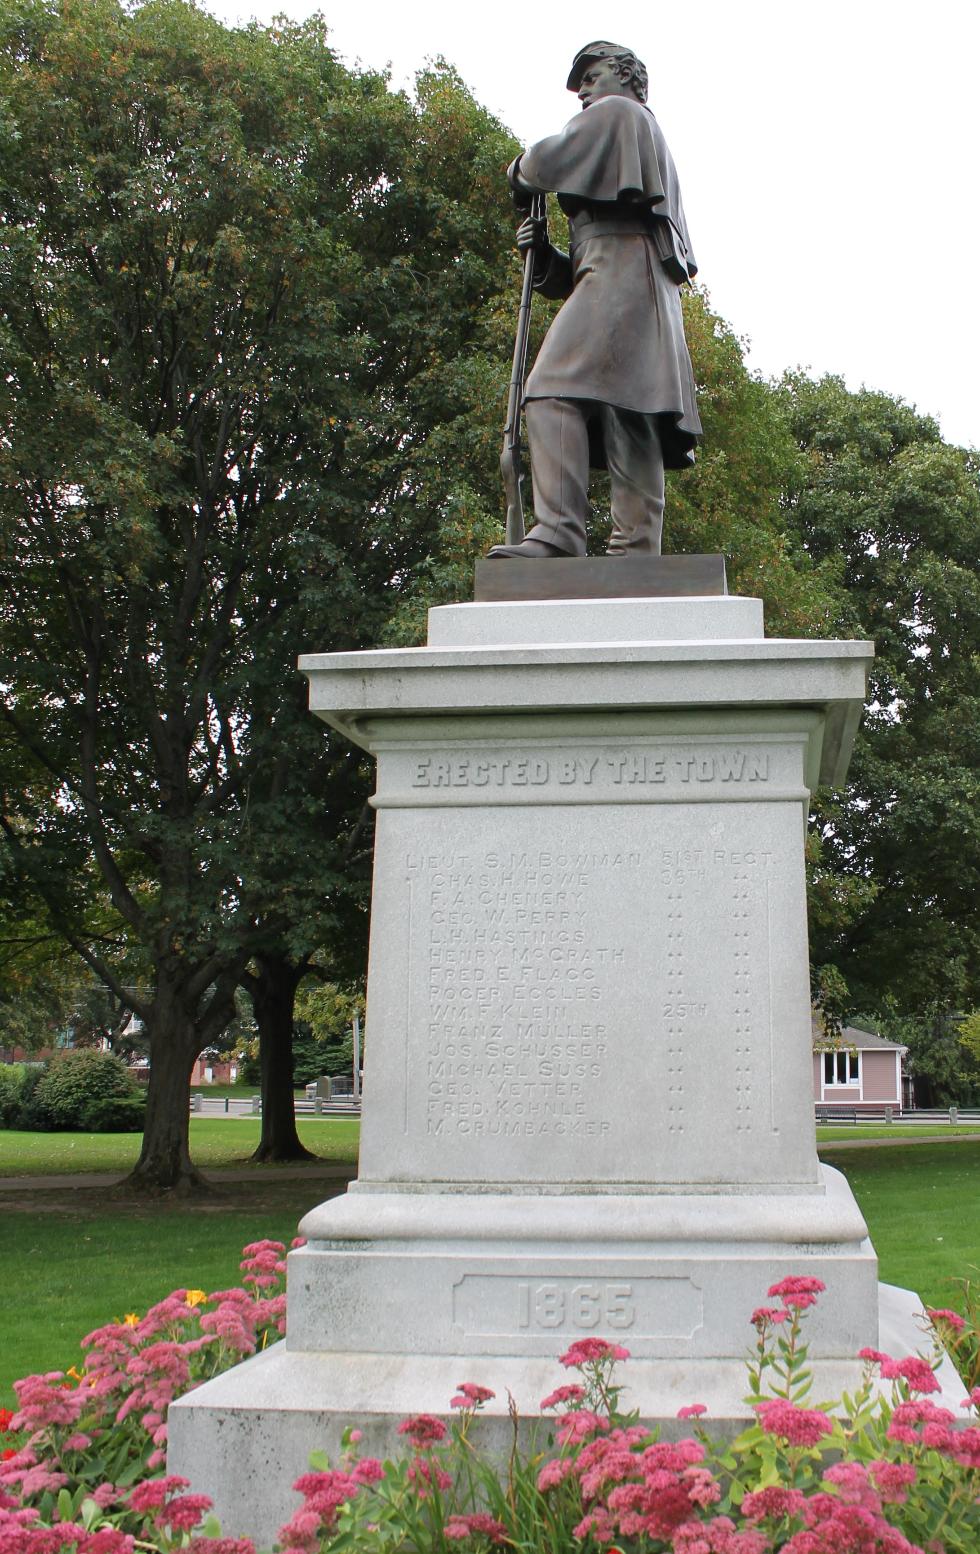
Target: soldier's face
x=604, y=78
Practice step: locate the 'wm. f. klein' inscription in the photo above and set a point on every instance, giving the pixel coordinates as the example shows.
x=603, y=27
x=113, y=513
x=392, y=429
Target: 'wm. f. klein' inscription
x=622, y=768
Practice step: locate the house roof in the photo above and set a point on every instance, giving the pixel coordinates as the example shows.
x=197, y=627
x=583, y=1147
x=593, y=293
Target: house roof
x=850, y=1036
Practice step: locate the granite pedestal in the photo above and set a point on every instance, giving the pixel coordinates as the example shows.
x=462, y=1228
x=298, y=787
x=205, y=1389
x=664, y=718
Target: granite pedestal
x=588, y=1101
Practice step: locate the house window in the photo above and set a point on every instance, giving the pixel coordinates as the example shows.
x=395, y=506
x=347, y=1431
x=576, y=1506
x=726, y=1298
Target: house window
x=842, y=1068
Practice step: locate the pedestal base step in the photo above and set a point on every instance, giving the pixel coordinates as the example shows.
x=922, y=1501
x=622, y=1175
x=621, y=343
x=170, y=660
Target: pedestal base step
x=246, y=1436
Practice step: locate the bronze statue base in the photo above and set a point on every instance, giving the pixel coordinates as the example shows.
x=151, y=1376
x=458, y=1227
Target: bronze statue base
x=510, y=579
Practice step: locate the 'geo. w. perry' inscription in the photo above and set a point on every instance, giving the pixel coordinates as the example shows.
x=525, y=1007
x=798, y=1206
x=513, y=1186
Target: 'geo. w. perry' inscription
x=618, y=768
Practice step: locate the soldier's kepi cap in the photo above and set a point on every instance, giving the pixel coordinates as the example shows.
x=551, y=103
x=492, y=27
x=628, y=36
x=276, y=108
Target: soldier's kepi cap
x=588, y=56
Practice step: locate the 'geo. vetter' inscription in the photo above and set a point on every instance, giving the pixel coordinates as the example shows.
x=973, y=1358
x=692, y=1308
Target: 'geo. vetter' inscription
x=621, y=768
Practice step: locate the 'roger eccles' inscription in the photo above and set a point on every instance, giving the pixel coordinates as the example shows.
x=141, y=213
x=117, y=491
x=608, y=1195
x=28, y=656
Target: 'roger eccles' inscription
x=621, y=768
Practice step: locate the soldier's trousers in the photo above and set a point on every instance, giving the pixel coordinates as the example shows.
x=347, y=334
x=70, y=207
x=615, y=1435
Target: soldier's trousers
x=558, y=442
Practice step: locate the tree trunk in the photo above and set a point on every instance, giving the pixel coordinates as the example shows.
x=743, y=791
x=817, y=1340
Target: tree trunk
x=273, y=994
x=189, y=1011
x=165, y=1160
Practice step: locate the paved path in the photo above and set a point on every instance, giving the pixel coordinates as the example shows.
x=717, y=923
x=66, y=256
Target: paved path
x=272, y=1173
x=329, y=1171
x=930, y=1138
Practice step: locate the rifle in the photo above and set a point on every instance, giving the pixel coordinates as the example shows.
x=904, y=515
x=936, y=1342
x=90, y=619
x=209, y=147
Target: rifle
x=510, y=458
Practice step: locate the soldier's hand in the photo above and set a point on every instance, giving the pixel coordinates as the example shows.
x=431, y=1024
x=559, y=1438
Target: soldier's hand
x=533, y=233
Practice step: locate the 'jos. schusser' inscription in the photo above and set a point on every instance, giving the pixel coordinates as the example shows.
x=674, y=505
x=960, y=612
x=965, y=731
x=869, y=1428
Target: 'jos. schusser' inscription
x=619, y=769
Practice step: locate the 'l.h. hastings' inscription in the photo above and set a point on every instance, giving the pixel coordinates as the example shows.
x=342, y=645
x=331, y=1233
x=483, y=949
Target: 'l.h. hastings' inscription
x=620, y=768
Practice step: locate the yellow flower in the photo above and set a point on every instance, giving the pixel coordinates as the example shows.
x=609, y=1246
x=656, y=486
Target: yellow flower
x=195, y=1297
x=131, y=1319
x=74, y=1372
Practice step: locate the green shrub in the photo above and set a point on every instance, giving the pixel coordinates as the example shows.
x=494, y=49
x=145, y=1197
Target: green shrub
x=79, y=1086
x=11, y=1087
x=116, y=1114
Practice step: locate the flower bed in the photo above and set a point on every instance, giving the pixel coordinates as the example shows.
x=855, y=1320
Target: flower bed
x=82, y=1467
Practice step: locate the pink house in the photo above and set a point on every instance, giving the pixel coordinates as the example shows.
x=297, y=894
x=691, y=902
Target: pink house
x=858, y=1070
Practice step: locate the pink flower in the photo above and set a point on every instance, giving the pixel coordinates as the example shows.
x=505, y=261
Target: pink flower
x=850, y=1479
x=555, y=1472
x=799, y=1291
x=459, y=1527
x=949, y=1318
x=154, y=1491
x=586, y=1351
x=763, y=1316
x=578, y=1424
x=301, y=1531
x=692, y=1411
x=108, y=1541
x=892, y=1480
x=798, y=1426
x=964, y=1447
x=423, y=1430
x=44, y=1400
x=426, y=1475
x=772, y=1502
x=916, y=1372
x=470, y=1395
x=183, y=1513
x=572, y=1393
x=368, y=1471
x=874, y=1357
x=797, y=1284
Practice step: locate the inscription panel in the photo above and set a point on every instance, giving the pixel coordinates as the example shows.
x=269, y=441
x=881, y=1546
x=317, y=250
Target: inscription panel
x=544, y=1009
x=506, y=1305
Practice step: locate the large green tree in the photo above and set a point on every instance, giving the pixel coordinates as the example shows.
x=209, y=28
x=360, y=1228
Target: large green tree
x=237, y=284
x=893, y=512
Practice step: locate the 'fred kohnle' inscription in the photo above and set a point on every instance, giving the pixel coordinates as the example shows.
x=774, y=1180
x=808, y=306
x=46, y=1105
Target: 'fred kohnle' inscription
x=616, y=769
x=514, y=1045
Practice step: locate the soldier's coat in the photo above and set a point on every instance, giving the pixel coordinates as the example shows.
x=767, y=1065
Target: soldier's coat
x=619, y=339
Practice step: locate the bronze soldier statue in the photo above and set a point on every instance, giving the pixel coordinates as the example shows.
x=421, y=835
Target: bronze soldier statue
x=612, y=386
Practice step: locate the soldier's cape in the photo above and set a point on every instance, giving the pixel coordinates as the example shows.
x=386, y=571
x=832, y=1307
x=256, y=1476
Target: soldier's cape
x=614, y=153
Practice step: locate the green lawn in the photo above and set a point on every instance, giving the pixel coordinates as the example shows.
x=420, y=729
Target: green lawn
x=74, y=1258
x=73, y=1261
x=922, y=1205
x=214, y=1142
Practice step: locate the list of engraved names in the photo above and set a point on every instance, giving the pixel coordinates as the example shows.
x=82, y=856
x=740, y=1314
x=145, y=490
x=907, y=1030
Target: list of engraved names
x=515, y=1043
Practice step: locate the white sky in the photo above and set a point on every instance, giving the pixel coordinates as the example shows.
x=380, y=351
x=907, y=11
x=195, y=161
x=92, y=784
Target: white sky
x=827, y=153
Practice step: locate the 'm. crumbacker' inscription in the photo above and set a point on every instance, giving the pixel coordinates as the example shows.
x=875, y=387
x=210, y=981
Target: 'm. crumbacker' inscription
x=626, y=768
